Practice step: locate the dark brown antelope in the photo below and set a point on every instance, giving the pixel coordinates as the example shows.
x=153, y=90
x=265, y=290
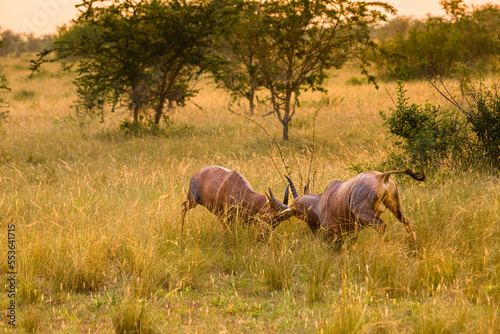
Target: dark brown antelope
x=345, y=207
x=229, y=196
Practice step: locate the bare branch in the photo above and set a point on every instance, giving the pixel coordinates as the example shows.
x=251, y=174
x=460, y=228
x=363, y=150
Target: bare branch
x=274, y=141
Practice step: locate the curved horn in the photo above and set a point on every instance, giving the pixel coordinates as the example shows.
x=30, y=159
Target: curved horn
x=275, y=201
x=287, y=192
x=292, y=186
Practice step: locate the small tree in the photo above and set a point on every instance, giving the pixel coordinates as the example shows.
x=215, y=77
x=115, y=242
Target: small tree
x=290, y=45
x=139, y=53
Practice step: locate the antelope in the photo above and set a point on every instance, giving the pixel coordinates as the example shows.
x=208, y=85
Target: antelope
x=229, y=196
x=345, y=207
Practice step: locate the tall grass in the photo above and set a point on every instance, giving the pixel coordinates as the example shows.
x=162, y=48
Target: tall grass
x=99, y=243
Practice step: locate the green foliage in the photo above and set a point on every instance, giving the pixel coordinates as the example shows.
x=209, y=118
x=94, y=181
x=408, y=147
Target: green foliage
x=71, y=35
x=232, y=63
x=438, y=44
x=427, y=130
x=431, y=135
x=139, y=54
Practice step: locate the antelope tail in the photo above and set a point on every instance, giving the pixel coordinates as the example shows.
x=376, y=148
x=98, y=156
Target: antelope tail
x=416, y=175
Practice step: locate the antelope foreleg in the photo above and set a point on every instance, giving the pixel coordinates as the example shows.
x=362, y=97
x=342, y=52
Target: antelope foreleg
x=406, y=222
x=184, y=209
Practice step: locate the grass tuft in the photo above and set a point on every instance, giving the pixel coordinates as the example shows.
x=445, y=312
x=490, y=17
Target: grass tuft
x=131, y=316
x=30, y=320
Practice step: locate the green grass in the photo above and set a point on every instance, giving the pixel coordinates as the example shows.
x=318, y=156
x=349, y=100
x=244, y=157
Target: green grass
x=98, y=238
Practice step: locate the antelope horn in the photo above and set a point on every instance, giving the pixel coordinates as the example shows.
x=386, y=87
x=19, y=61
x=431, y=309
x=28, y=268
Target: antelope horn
x=285, y=199
x=278, y=203
x=292, y=186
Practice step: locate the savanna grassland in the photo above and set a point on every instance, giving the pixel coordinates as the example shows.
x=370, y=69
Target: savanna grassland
x=98, y=242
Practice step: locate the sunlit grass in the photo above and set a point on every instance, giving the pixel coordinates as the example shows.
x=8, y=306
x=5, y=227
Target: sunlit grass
x=98, y=237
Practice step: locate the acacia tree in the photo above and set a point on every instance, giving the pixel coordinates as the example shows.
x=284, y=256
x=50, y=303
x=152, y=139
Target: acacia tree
x=294, y=42
x=138, y=53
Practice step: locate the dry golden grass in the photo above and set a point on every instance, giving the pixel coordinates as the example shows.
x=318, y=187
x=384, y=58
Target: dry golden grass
x=98, y=239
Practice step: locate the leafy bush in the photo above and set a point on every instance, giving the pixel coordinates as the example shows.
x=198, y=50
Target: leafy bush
x=483, y=114
x=430, y=134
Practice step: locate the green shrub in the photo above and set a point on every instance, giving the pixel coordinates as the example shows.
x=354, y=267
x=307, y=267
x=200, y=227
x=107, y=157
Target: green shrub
x=430, y=135
x=483, y=115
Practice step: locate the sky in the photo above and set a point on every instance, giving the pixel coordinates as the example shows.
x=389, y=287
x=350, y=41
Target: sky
x=44, y=16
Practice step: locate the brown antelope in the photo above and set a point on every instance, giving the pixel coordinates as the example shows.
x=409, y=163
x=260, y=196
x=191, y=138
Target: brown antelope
x=345, y=207
x=229, y=196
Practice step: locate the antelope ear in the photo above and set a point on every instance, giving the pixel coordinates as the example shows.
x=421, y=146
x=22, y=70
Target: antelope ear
x=269, y=200
x=306, y=189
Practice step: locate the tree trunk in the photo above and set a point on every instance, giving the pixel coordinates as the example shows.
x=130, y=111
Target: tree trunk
x=159, y=110
x=251, y=100
x=286, y=115
x=285, y=128
x=137, y=108
x=158, y=115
